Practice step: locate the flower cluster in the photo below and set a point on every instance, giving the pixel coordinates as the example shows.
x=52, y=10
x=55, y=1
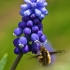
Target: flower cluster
x=34, y=6
x=31, y=27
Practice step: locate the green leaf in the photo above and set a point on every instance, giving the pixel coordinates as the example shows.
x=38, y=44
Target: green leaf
x=3, y=62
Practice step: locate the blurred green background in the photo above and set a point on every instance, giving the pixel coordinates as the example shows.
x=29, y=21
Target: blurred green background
x=56, y=27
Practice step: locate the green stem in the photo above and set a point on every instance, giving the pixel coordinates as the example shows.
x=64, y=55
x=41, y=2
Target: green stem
x=16, y=62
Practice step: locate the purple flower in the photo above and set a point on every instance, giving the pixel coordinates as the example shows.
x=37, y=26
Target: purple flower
x=36, y=21
x=22, y=41
x=15, y=42
x=43, y=38
x=34, y=37
x=17, y=31
x=32, y=16
x=40, y=26
x=25, y=49
x=29, y=23
x=17, y=50
x=22, y=25
x=40, y=33
x=27, y=31
x=35, y=47
x=34, y=6
x=35, y=28
x=26, y=12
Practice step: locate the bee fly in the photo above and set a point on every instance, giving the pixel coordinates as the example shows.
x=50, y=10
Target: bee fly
x=45, y=56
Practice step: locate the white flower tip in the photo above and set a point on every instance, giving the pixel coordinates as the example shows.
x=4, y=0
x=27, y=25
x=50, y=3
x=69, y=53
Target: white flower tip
x=45, y=4
x=14, y=34
x=21, y=45
x=37, y=41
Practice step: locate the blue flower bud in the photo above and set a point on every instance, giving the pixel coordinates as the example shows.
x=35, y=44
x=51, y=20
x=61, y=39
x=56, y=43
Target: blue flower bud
x=27, y=12
x=36, y=21
x=27, y=31
x=34, y=37
x=45, y=13
x=22, y=41
x=22, y=25
x=42, y=16
x=32, y=16
x=21, y=12
x=25, y=6
x=29, y=23
x=40, y=33
x=45, y=4
x=40, y=26
x=17, y=50
x=35, y=47
x=35, y=28
x=43, y=9
x=43, y=38
x=41, y=3
x=37, y=12
x=18, y=31
x=25, y=49
x=33, y=5
x=15, y=42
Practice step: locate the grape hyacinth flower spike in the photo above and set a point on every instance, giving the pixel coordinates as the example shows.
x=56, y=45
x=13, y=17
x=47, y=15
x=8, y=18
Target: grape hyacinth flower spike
x=33, y=12
x=36, y=6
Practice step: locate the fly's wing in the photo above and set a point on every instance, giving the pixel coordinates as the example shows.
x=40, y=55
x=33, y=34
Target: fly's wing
x=56, y=52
